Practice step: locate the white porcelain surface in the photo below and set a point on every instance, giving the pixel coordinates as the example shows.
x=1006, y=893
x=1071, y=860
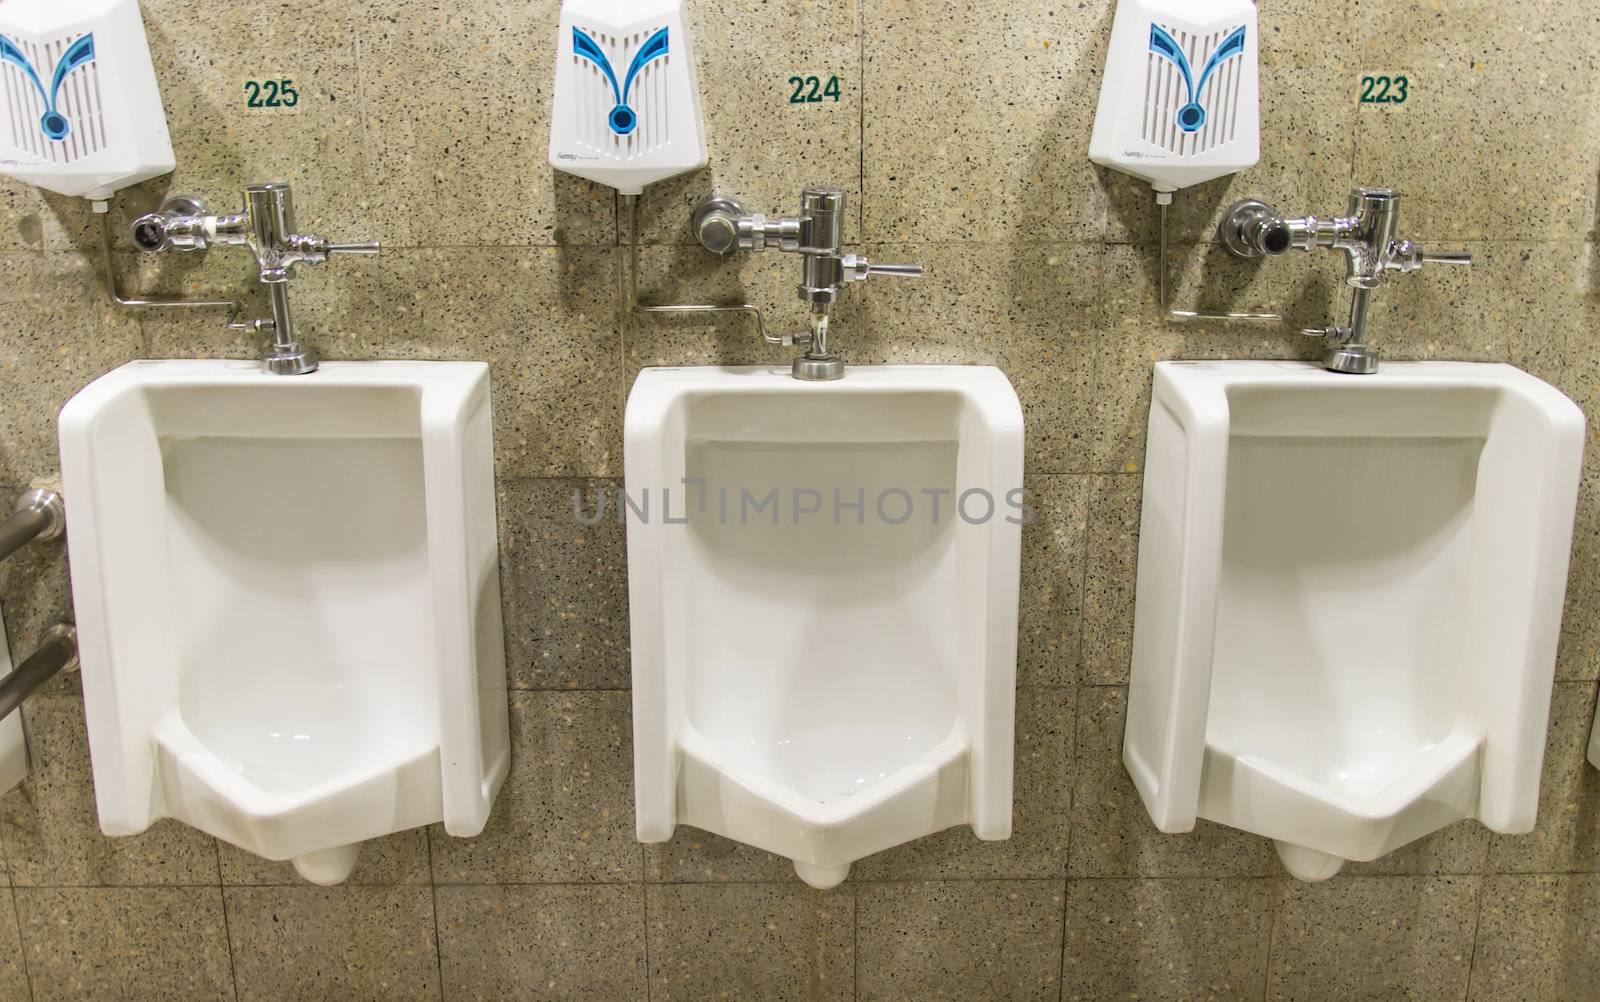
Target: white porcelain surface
x=288, y=601
x=1349, y=597
x=823, y=690
x=13, y=745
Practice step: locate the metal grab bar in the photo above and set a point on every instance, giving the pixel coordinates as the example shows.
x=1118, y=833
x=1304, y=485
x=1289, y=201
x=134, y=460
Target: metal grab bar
x=39, y=514
x=58, y=651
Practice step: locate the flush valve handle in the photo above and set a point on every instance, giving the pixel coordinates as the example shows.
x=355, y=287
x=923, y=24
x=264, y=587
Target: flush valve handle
x=1405, y=256
x=857, y=268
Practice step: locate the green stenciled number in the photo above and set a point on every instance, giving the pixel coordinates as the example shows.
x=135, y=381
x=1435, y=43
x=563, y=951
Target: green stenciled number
x=270, y=94
x=1385, y=89
x=811, y=89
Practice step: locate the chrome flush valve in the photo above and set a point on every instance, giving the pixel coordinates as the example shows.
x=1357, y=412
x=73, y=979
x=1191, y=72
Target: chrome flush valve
x=722, y=225
x=266, y=228
x=1368, y=239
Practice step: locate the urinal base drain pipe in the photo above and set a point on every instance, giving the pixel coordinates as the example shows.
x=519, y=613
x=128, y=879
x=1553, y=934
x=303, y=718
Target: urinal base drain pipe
x=58, y=652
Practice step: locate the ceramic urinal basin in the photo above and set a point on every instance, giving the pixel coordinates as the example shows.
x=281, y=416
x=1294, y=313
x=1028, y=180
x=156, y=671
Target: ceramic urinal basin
x=824, y=606
x=288, y=603
x=1349, y=596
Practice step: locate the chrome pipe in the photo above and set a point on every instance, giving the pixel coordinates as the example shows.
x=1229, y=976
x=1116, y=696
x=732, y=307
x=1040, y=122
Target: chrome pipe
x=39, y=514
x=1173, y=313
x=108, y=261
x=58, y=652
x=632, y=291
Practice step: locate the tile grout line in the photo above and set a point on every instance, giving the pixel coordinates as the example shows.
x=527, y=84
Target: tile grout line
x=1477, y=926
x=1061, y=965
x=1477, y=920
x=433, y=895
x=855, y=943
x=644, y=901
x=227, y=929
x=1077, y=699
x=16, y=915
x=1273, y=886
x=861, y=131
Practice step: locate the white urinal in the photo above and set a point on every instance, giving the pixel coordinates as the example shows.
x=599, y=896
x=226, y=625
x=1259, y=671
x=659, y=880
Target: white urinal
x=823, y=687
x=288, y=601
x=1349, y=597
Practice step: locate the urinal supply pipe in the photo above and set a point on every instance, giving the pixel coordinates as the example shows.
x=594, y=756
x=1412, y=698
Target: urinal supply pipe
x=58, y=651
x=39, y=514
x=631, y=292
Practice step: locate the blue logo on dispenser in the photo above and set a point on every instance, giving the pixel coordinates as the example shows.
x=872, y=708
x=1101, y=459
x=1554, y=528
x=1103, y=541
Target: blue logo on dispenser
x=79, y=53
x=622, y=118
x=1193, y=115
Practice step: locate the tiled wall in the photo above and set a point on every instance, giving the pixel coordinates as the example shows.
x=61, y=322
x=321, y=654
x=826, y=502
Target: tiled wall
x=961, y=137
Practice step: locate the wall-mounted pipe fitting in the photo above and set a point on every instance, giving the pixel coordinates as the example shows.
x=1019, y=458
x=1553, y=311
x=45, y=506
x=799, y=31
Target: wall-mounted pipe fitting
x=265, y=227
x=40, y=513
x=57, y=652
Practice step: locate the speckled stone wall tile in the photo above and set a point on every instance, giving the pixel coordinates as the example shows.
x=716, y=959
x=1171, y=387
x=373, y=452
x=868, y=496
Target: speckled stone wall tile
x=697, y=856
x=955, y=941
x=1112, y=835
x=1051, y=603
x=1113, y=563
x=219, y=276
x=88, y=944
x=1474, y=314
x=334, y=307
x=13, y=974
x=1536, y=939
x=348, y=943
x=1308, y=290
x=1467, y=35
x=51, y=828
x=545, y=320
x=1171, y=940
x=565, y=584
x=556, y=943
x=34, y=219
x=457, y=98
x=565, y=813
x=1031, y=309
x=1446, y=146
x=753, y=942
x=55, y=344
x=401, y=858
x=679, y=274
x=1041, y=809
x=1308, y=119
x=1306, y=34
x=1567, y=835
x=1459, y=848
x=1373, y=938
x=969, y=141
x=204, y=53
x=763, y=148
